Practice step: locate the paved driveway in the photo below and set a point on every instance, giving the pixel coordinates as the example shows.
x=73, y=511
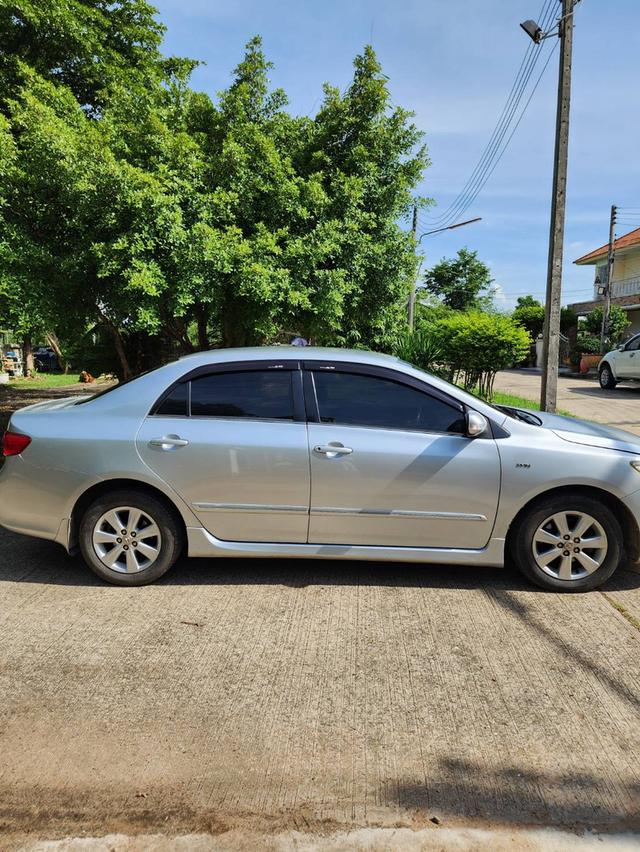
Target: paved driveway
x=581, y=397
x=278, y=695
x=247, y=698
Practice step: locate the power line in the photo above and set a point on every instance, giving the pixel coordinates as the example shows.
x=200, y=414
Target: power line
x=491, y=167
x=477, y=178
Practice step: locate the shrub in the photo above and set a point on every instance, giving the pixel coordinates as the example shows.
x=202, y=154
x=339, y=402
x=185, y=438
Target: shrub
x=618, y=323
x=588, y=345
x=419, y=348
x=475, y=345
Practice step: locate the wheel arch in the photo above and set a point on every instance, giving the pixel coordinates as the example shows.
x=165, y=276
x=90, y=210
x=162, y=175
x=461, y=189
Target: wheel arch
x=630, y=531
x=610, y=363
x=105, y=487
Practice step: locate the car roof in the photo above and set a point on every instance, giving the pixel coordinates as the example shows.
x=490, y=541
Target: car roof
x=298, y=353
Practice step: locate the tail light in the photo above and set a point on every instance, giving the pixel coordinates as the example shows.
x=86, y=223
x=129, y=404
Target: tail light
x=13, y=443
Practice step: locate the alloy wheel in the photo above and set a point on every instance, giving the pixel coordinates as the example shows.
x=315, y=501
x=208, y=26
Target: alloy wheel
x=127, y=540
x=569, y=545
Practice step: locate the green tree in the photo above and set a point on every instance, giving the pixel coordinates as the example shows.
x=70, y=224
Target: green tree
x=460, y=282
x=133, y=205
x=618, y=323
x=530, y=314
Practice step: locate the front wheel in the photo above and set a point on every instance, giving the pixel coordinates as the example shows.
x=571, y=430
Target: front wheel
x=129, y=538
x=568, y=543
x=606, y=377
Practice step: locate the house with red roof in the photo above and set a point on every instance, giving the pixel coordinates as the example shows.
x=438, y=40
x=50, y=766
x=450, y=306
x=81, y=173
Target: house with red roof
x=625, y=285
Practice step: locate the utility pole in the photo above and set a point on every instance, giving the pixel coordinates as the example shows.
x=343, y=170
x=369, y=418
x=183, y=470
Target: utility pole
x=414, y=281
x=606, y=314
x=551, y=333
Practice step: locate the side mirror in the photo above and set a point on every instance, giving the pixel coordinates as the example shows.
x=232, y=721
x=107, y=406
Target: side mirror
x=476, y=424
x=621, y=347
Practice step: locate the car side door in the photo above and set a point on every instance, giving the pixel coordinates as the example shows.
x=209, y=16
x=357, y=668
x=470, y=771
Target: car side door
x=627, y=360
x=391, y=464
x=231, y=440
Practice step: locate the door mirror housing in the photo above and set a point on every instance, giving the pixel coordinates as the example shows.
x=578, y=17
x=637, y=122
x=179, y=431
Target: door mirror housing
x=621, y=347
x=476, y=424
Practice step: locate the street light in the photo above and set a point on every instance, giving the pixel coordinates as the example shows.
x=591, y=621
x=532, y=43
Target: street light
x=450, y=227
x=412, y=295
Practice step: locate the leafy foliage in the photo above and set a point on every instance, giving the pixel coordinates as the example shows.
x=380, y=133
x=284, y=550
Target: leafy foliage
x=420, y=348
x=587, y=344
x=530, y=314
x=475, y=345
x=618, y=324
x=134, y=207
x=461, y=282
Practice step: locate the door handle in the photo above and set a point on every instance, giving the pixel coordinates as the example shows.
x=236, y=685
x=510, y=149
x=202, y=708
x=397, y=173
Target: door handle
x=332, y=450
x=168, y=442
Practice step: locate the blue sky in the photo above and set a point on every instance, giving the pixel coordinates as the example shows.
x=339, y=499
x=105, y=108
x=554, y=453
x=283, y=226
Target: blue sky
x=453, y=63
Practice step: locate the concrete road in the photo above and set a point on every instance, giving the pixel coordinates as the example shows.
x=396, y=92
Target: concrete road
x=237, y=697
x=582, y=397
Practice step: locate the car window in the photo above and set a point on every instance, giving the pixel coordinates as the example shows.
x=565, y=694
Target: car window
x=360, y=400
x=260, y=393
x=176, y=403
x=633, y=344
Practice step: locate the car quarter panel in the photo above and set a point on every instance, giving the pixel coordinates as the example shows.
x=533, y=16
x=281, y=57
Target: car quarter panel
x=71, y=450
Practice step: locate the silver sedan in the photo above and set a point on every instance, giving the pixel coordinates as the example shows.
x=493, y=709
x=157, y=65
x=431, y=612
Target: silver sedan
x=321, y=453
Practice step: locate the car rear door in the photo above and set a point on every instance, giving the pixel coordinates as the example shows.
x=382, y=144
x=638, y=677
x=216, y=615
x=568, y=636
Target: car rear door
x=391, y=465
x=231, y=440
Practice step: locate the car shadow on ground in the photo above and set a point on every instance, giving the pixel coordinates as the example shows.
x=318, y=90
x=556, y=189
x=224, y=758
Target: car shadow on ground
x=520, y=795
x=629, y=392
x=28, y=560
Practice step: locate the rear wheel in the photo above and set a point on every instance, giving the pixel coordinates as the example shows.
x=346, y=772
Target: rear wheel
x=607, y=379
x=129, y=538
x=568, y=543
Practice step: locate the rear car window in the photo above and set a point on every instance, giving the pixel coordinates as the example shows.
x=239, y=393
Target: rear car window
x=258, y=394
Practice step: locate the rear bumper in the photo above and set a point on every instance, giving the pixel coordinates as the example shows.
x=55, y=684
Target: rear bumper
x=34, y=502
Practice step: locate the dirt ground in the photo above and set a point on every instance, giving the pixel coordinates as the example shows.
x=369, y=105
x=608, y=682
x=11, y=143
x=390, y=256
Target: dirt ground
x=243, y=699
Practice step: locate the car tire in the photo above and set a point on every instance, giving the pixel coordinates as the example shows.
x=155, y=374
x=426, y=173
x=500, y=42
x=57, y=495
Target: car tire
x=138, y=555
x=535, y=532
x=606, y=377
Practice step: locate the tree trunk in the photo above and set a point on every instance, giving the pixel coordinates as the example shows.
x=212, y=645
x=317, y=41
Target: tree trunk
x=120, y=352
x=201, y=318
x=232, y=333
x=54, y=343
x=28, y=364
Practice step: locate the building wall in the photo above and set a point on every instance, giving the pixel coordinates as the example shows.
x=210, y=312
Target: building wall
x=634, y=319
x=626, y=266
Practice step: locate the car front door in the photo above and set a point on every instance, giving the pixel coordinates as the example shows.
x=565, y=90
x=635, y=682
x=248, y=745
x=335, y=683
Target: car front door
x=232, y=442
x=391, y=464
x=627, y=360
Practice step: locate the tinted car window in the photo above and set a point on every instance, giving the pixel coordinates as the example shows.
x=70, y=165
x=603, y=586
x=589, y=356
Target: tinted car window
x=177, y=402
x=360, y=400
x=264, y=394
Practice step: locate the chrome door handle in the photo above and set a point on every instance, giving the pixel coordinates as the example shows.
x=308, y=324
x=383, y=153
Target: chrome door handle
x=332, y=450
x=168, y=442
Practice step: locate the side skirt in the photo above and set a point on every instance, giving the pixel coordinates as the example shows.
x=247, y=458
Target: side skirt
x=202, y=544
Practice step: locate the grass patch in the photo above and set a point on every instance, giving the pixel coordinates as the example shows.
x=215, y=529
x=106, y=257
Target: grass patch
x=44, y=380
x=514, y=401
